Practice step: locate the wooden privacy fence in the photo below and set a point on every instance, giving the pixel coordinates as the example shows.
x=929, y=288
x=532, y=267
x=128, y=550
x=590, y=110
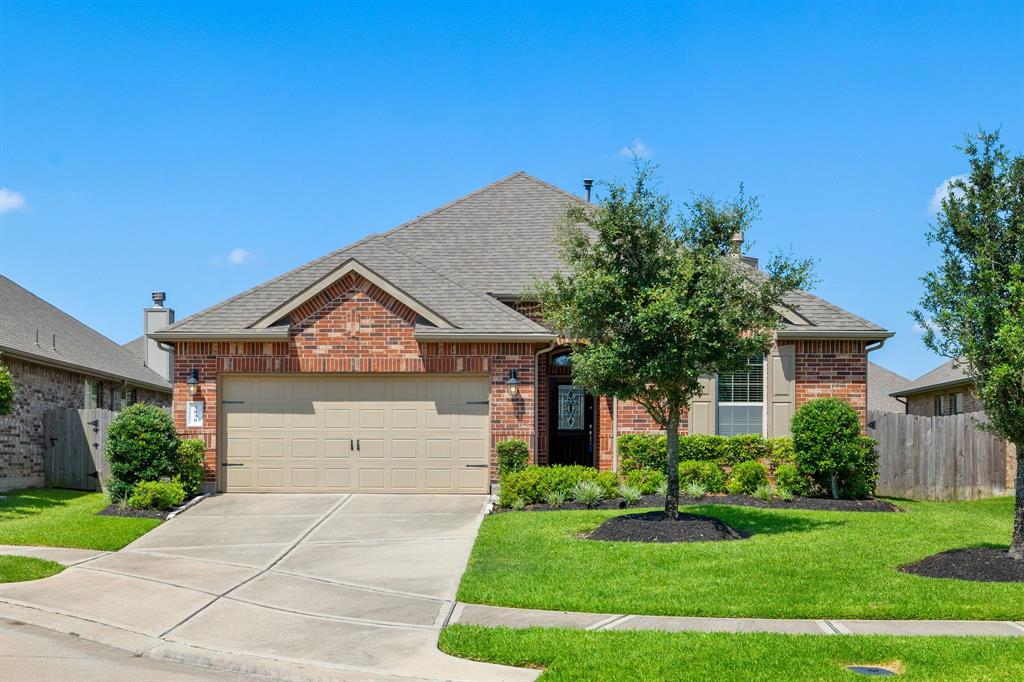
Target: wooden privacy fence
x=75, y=445
x=937, y=458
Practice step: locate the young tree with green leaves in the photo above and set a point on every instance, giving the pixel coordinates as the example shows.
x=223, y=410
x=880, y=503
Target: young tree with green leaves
x=654, y=301
x=973, y=304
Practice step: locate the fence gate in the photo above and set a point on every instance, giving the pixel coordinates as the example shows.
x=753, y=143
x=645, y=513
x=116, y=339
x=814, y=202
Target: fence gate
x=75, y=443
x=937, y=458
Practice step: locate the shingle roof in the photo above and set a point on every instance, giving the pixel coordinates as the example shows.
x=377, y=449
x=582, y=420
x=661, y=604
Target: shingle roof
x=32, y=328
x=881, y=383
x=457, y=260
x=137, y=347
x=948, y=373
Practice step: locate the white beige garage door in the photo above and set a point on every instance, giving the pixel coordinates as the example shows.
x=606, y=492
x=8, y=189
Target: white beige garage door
x=422, y=434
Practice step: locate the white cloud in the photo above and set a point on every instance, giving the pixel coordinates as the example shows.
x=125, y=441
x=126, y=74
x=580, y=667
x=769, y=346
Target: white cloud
x=935, y=205
x=11, y=200
x=239, y=256
x=636, y=148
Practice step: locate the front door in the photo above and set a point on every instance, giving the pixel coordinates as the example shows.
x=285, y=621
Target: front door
x=570, y=424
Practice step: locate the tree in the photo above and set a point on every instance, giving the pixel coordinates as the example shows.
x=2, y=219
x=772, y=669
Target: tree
x=973, y=303
x=7, y=391
x=652, y=301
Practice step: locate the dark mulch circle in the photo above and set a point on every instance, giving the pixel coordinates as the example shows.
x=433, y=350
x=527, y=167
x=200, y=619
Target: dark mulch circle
x=118, y=510
x=813, y=503
x=657, y=527
x=980, y=564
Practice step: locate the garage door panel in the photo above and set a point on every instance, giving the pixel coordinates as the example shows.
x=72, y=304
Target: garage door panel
x=414, y=434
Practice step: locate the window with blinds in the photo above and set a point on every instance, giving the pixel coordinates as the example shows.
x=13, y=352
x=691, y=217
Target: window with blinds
x=741, y=399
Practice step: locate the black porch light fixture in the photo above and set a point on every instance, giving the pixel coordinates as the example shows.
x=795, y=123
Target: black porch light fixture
x=193, y=382
x=513, y=381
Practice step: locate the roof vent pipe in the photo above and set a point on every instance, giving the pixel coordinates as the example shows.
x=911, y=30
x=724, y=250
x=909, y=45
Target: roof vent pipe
x=587, y=184
x=736, y=243
x=158, y=298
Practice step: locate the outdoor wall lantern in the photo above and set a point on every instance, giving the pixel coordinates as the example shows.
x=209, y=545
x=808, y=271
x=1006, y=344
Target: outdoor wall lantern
x=513, y=381
x=193, y=382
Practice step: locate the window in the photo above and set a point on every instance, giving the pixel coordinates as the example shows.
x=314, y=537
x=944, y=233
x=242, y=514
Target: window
x=131, y=396
x=956, y=403
x=564, y=360
x=570, y=408
x=741, y=399
x=938, y=406
x=93, y=394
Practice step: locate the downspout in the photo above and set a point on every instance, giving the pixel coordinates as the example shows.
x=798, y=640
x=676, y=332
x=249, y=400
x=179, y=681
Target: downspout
x=615, y=434
x=536, y=401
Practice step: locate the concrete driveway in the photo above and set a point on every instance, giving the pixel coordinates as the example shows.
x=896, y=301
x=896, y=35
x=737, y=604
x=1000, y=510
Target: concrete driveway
x=301, y=584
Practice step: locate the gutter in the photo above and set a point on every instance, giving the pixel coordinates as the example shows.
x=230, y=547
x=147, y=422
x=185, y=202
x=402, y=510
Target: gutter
x=274, y=334
x=530, y=337
x=907, y=392
x=819, y=334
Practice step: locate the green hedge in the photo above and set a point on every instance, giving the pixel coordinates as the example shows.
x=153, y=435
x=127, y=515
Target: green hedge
x=708, y=474
x=648, y=450
x=513, y=455
x=532, y=484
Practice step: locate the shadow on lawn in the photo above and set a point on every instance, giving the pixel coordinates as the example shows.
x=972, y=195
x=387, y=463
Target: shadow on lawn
x=762, y=521
x=28, y=503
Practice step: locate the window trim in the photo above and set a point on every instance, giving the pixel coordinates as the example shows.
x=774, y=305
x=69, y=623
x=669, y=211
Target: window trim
x=763, y=403
x=937, y=407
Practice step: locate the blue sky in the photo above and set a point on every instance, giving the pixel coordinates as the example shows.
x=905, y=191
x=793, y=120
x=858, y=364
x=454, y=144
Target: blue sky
x=202, y=148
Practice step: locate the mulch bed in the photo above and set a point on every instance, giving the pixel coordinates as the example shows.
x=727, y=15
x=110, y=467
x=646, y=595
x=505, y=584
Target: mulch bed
x=118, y=510
x=980, y=564
x=813, y=503
x=657, y=527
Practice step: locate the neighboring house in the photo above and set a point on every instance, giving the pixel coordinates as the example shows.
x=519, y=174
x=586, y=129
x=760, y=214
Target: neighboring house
x=882, y=383
x=396, y=363
x=56, y=361
x=945, y=390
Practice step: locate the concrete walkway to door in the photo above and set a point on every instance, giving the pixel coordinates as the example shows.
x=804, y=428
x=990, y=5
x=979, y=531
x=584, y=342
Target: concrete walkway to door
x=290, y=586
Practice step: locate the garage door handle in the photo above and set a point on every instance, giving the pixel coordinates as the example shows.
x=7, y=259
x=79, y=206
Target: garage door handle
x=351, y=444
x=476, y=466
x=232, y=464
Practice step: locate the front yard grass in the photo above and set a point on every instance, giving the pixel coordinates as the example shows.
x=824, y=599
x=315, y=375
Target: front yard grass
x=647, y=655
x=14, y=569
x=50, y=517
x=797, y=564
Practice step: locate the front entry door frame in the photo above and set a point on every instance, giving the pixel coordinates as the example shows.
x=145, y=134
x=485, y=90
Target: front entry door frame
x=572, y=445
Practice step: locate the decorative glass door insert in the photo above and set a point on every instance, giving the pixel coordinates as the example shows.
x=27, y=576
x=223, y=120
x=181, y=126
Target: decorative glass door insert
x=570, y=408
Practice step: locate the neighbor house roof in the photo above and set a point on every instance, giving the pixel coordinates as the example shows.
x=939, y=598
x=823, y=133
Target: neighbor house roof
x=949, y=373
x=137, y=347
x=32, y=329
x=459, y=262
x=882, y=383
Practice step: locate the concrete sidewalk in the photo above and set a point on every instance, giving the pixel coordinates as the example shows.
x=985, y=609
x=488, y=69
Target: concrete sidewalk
x=497, y=616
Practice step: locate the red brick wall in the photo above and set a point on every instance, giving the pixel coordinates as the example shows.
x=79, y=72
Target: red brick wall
x=354, y=327
x=832, y=368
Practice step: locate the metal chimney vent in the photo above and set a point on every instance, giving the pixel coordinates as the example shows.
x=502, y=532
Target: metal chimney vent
x=158, y=298
x=587, y=184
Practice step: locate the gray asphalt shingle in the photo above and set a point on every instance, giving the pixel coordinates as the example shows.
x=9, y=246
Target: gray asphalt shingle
x=949, y=372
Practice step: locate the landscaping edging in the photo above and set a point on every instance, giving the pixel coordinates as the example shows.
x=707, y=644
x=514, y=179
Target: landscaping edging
x=808, y=503
x=163, y=515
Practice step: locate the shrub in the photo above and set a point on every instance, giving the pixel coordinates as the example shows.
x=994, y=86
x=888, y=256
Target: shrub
x=663, y=487
x=782, y=451
x=826, y=436
x=7, y=391
x=556, y=498
x=629, y=494
x=704, y=448
x=647, y=481
x=789, y=478
x=587, y=493
x=765, y=492
x=695, y=490
x=746, y=477
x=535, y=482
x=188, y=465
x=860, y=482
x=142, y=445
x=642, y=451
x=156, y=494
x=748, y=446
x=518, y=504
x=708, y=474
x=785, y=495
x=513, y=455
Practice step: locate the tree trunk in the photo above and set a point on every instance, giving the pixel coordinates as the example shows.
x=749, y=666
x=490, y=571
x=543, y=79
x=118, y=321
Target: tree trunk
x=672, y=465
x=1017, y=543
x=835, y=487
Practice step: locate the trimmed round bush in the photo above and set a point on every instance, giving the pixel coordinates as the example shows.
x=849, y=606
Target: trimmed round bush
x=188, y=465
x=708, y=474
x=7, y=391
x=513, y=455
x=647, y=481
x=747, y=477
x=789, y=478
x=826, y=437
x=142, y=445
x=156, y=495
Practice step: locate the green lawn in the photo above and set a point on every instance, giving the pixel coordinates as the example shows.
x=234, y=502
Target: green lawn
x=14, y=569
x=628, y=656
x=797, y=564
x=65, y=518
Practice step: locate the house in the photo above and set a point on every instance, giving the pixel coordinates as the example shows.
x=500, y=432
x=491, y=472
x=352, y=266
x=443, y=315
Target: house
x=56, y=361
x=396, y=363
x=882, y=383
x=945, y=390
